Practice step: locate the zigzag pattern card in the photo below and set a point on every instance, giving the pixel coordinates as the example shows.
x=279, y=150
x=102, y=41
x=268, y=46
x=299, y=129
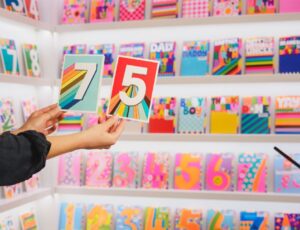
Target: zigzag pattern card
x=99, y=217
x=100, y=117
x=32, y=62
x=192, y=115
x=227, y=57
x=75, y=49
x=157, y=218
x=7, y=223
x=9, y=57
x=256, y=115
x=102, y=11
x=7, y=116
x=12, y=191
x=28, y=107
x=227, y=7
x=289, y=6
x=72, y=216
x=221, y=220
x=14, y=5
x=254, y=220
x=261, y=7
x=165, y=53
x=33, y=183
x=224, y=115
x=31, y=8
x=164, y=9
x=286, y=175
x=219, y=172
x=289, y=54
x=132, y=10
x=188, y=171
x=28, y=221
x=287, y=115
x=287, y=221
x=195, y=8
x=81, y=80
x=252, y=173
x=74, y=11
x=259, y=55
x=136, y=50
x=71, y=123
x=129, y=218
x=187, y=219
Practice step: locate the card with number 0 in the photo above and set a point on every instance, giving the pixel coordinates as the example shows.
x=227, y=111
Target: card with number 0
x=80, y=83
x=132, y=89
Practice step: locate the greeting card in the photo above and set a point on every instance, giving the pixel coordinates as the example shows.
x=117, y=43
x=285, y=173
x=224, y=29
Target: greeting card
x=99, y=217
x=102, y=11
x=157, y=218
x=136, y=50
x=7, y=223
x=164, y=9
x=9, y=57
x=187, y=219
x=289, y=6
x=32, y=183
x=32, y=63
x=289, y=54
x=261, y=7
x=100, y=117
x=31, y=8
x=72, y=122
x=132, y=10
x=12, y=191
x=221, y=220
x=227, y=7
x=195, y=8
x=254, y=220
x=14, y=5
x=28, y=221
x=7, y=116
x=75, y=49
x=129, y=218
x=74, y=11
x=287, y=221
x=28, y=107
x=72, y=216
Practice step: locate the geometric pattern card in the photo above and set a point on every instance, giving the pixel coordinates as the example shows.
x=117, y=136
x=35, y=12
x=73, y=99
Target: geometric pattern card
x=125, y=170
x=187, y=219
x=289, y=54
x=75, y=49
x=14, y=5
x=81, y=81
x=28, y=107
x=188, y=171
x=99, y=169
x=99, y=217
x=261, y=7
x=136, y=50
x=252, y=173
x=71, y=123
x=287, y=115
x=28, y=221
x=254, y=221
x=228, y=57
x=9, y=57
x=221, y=220
x=108, y=50
x=102, y=11
x=192, y=116
x=7, y=116
x=74, y=11
x=224, y=115
x=164, y=52
x=32, y=183
x=227, y=7
x=132, y=10
x=195, y=58
x=219, y=172
x=32, y=62
x=287, y=176
x=31, y=8
x=100, y=117
x=259, y=55
x=163, y=115
x=157, y=219
x=7, y=223
x=287, y=221
x=164, y=9
x=72, y=216
x=133, y=84
x=156, y=171
x=195, y=8
x=256, y=115
x=289, y=6
x=129, y=218
x=12, y=191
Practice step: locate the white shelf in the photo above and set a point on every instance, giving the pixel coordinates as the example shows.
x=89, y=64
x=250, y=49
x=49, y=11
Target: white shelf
x=5, y=78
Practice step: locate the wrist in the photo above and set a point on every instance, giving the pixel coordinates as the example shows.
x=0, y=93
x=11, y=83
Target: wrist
x=17, y=131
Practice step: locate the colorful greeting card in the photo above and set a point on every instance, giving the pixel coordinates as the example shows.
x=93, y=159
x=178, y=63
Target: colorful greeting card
x=102, y=11
x=219, y=172
x=74, y=11
x=129, y=218
x=287, y=221
x=261, y=7
x=28, y=107
x=132, y=10
x=256, y=115
x=164, y=9
x=286, y=175
x=132, y=90
x=31, y=8
x=72, y=216
x=165, y=53
x=136, y=50
x=12, y=191
x=14, y=5
x=157, y=218
x=156, y=171
x=254, y=220
x=75, y=49
x=33, y=183
x=7, y=115
x=100, y=117
x=252, y=173
x=99, y=217
x=7, y=223
x=224, y=115
x=227, y=7
x=28, y=221
x=31, y=58
x=98, y=169
x=287, y=115
x=71, y=123
x=221, y=220
x=187, y=219
x=289, y=6
x=188, y=171
x=259, y=55
x=289, y=54
x=195, y=8
x=195, y=58
x=192, y=115
x=163, y=115
x=9, y=57
x=228, y=57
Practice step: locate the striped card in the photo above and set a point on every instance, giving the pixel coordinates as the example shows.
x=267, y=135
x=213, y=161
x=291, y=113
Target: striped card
x=164, y=9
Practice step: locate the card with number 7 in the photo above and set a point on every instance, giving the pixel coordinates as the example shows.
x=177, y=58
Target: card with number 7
x=132, y=90
x=80, y=83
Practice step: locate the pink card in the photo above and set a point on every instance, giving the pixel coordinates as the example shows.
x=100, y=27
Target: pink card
x=100, y=117
x=132, y=10
x=289, y=6
x=32, y=183
x=12, y=191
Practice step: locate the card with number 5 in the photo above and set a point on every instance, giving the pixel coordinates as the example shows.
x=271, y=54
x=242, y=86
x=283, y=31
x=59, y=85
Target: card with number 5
x=132, y=89
x=80, y=83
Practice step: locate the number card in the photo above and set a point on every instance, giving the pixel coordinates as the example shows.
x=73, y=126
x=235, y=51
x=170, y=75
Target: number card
x=14, y=5
x=132, y=90
x=28, y=221
x=188, y=219
x=157, y=218
x=31, y=8
x=254, y=220
x=9, y=57
x=32, y=62
x=81, y=79
x=99, y=217
x=129, y=218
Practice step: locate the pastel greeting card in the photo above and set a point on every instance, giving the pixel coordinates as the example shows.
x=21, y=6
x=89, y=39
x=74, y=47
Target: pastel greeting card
x=287, y=115
x=227, y=58
x=132, y=10
x=289, y=54
x=132, y=89
x=195, y=58
x=227, y=7
x=287, y=221
x=224, y=115
x=7, y=115
x=81, y=80
x=14, y=5
x=195, y=8
x=221, y=220
x=28, y=221
x=187, y=219
x=156, y=171
x=188, y=171
x=164, y=9
x=72, y=122
x=28, y=107
x=129, y=218
x=31, y=58
x=261, y=7
x=75, y=49
x=74, y=11
x=164, y=52
x=31, y=8
x=99, y=217
x=157, y=218
x=100, y=117
x=256, y=115
x=192, y=115
x=7, y=223
x=32, y=183
x=289, y=6
x=98, y=169
x=252, y=173
x=72, y=216
x=254, y=220
x=286, y=175
x=9, y=57
x=219, y=172
x=12, y=191
x=259, y=55
x=132, y=50
x=102, y=11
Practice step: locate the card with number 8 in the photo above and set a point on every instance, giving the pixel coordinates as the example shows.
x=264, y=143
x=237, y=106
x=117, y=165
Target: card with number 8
x=31, y=58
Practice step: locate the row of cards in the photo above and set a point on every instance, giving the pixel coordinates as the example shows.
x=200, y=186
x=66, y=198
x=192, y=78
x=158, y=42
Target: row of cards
x=25, y=7
x=27, y=221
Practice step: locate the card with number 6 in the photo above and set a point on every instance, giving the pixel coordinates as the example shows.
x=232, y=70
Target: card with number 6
x=132, y=90
x=80, y=83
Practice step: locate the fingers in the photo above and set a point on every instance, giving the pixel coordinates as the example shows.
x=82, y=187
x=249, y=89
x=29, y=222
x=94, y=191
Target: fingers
x=45, y=110
x=51, y=130
x=119, y=129
x=110, y=122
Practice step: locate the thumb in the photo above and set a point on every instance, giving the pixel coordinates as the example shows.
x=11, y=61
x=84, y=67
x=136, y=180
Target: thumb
x=110, y=122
